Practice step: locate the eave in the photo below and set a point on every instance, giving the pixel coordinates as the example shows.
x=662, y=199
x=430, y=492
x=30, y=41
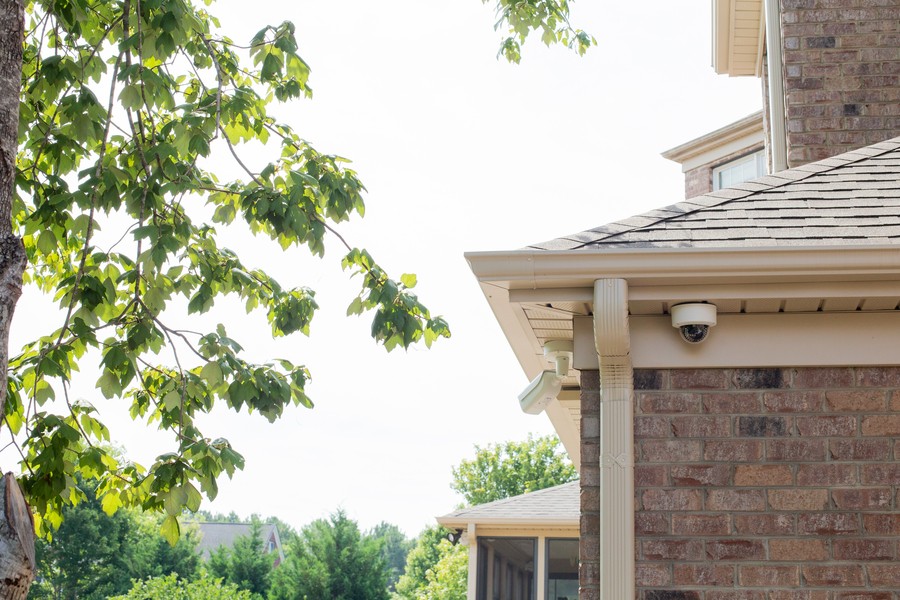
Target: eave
x=738, y=37
x=541, y=295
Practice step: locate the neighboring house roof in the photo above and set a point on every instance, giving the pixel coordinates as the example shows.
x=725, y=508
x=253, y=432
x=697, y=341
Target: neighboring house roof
x=555, y=506
x=213, y=535
x=849, y=199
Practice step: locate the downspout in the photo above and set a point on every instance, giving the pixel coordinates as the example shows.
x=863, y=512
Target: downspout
x=775, y=67
x=613, y=342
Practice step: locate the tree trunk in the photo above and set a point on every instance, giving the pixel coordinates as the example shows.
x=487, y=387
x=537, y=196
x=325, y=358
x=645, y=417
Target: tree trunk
x=16, y=525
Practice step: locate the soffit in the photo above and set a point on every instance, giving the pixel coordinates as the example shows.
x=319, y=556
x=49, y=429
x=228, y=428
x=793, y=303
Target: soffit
x=738, y=37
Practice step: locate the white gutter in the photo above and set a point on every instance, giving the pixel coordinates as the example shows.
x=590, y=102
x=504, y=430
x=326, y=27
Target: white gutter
x=775, y=67
x=611, y=336
x=538, y=269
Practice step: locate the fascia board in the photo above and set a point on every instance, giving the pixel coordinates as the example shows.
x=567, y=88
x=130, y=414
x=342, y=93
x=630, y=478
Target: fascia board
x=535, y=270
x=746, y=133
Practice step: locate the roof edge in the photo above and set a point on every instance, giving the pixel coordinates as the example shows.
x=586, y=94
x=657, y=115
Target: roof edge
x=535, y=269
x=750, y=128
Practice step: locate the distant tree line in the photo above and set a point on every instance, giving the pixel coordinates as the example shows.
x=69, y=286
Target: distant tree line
x=95, y=556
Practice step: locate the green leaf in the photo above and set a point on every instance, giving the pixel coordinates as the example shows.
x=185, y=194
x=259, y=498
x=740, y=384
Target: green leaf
x=212, y=374
x=111, y=503
x=170, y=530
x=409, y=280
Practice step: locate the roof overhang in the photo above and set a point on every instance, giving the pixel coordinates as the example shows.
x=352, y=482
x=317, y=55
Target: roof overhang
x=775, y=294
x=738, y=37
x=746, y=134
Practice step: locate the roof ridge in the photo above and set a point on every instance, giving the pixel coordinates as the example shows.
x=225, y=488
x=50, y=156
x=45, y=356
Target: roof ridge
x=805, y=171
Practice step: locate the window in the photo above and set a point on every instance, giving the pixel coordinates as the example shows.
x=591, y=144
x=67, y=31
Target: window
x=510, y=568
x=739, y=170
x=562, y=569
x=506, y=568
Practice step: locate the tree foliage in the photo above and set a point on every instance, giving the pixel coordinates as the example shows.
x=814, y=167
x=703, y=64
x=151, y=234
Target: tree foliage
x=512, y=468
x=550, y=18
x=331, y=559
x=447, y=579
x=122, y=104
x=423, y=557
x=246, y=564
x=394, y=547
x=173, y=588
x=94, y=555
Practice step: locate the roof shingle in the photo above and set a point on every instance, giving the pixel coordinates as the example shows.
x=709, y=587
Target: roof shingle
x=850, y=198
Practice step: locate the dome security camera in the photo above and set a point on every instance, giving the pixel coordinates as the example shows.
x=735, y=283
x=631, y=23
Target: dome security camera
x=693, y=320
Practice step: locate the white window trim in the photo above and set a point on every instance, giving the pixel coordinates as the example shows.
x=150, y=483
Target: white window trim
x=759, y=157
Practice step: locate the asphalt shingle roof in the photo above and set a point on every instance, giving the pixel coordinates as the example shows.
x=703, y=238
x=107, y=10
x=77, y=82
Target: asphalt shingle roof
x=214, y=535
x=850, y=198
x=559, y=503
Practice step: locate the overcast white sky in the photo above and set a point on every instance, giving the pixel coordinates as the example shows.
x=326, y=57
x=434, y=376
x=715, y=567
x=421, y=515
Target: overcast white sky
x=459, y=152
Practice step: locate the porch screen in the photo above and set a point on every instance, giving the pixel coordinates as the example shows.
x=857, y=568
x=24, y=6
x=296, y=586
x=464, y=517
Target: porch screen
x=506, y=568
x=562, y=569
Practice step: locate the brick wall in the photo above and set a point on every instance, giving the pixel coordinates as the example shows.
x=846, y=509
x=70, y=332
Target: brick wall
x=699, y=180
x=759, y=484
x=842, y=75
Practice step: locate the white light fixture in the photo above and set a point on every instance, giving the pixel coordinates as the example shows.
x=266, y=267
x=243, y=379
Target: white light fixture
x=544, y=388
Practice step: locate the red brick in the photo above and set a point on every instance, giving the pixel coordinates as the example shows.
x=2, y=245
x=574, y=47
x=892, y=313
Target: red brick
x=736, y=500
x=798, y=595
x=864, y=549
x=828, y=523
x=769, y=576
x=698, y=379
x=701, y=475
x=827, y=474
x=863, y=499
x=763, y=475
x=757, y=426
x=700, y=525
x=758, y=379
x=795, y=550
x=798, y=499
x=856, y=400
x=833, y=575
x=864, y=596
x=734, y=595
x=883, y=425
x=652, y=427
x=681, y=499
x=887, y=474
x=670, y=451
x=795, y=450
x=704, y=574
x=702, y=427
x=731, y=549
x=895, y=400
x=652, y=574
x=882, y=524
x=826, y=426
x=651, y=523
x=667, y=402
x=859, y=449
x=650, y=476
x=672, y=549
x=793, y=401
x=878, y=377
x=733, y=450
x=771, y=524
x=883, y=575
x=732, y=403
x=822, y=378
